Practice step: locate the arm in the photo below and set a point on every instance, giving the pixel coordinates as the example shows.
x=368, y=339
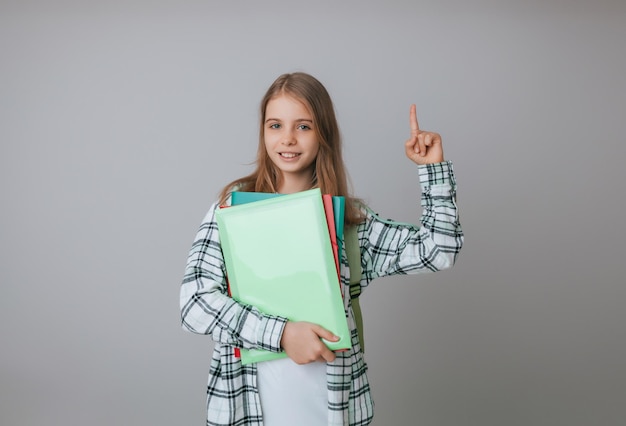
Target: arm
x=390, y=247
x=206, y=307
x=394, y=248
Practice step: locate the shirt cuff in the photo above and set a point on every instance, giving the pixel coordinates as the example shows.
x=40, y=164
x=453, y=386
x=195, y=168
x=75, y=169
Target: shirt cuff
x=436, y=173
x=270, y=332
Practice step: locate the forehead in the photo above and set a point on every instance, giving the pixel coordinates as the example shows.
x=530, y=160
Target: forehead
x=287, y=106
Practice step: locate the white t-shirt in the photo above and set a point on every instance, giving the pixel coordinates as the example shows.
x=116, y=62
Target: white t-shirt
x=293, y=394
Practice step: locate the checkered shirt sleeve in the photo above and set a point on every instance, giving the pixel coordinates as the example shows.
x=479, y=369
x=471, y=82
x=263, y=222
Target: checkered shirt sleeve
x=206, y=307
x=390, y=248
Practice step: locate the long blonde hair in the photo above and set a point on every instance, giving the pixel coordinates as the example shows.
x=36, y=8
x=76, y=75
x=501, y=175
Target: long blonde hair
x=329, y=173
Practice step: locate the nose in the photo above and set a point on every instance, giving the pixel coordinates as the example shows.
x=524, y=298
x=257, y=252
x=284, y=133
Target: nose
x=289, y=137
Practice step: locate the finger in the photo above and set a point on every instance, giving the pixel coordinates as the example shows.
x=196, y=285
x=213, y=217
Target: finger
x=428, y=141
x=411, y=145
x=328, y=355
x=421, y=142
x=324, y=334
x=415, y=128
x=325, y=353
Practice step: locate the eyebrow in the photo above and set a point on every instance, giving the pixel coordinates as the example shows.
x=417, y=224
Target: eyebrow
x=298, y=120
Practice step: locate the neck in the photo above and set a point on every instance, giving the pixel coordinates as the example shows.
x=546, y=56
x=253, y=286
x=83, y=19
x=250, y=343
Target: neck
x=291, y=184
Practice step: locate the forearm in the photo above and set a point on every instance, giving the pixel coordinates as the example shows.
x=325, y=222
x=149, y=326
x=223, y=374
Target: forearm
x=440, y=225
x=205, y=310
x=399, y=248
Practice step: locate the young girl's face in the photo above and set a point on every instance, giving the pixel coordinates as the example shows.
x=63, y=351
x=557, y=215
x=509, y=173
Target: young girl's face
x=290, y=140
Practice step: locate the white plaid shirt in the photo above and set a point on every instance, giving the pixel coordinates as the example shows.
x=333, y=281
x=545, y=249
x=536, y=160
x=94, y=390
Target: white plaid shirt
x=387, y=248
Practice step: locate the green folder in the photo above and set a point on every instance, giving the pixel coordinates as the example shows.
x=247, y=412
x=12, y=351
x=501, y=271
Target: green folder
x=279, y=259
x=339, y=206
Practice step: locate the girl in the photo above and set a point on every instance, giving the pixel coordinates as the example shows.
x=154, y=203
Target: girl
x=299, y=149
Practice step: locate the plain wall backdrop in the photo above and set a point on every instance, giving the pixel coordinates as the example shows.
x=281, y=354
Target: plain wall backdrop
x=120, y=121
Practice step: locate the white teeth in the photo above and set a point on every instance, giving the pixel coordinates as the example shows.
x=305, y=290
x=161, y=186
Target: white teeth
x=288, y=154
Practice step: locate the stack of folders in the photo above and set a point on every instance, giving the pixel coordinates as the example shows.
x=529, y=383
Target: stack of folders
x=281, y=256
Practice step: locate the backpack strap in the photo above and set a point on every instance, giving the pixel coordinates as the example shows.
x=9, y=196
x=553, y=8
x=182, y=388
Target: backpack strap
x=353, y=253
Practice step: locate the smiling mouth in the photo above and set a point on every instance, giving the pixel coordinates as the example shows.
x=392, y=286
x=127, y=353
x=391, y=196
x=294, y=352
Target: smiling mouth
x=288, y=154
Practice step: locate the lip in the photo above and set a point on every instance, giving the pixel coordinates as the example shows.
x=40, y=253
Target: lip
x=289, y=156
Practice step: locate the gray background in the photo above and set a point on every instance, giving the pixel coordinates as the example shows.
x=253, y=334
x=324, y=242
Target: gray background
x=121, y=120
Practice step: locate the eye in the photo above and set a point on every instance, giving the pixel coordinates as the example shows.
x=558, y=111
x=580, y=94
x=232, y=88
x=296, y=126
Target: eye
x=303, y=127
x=274, y=126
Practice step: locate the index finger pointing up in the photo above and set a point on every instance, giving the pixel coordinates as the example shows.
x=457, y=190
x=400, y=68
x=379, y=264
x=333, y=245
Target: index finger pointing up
x=415, y=128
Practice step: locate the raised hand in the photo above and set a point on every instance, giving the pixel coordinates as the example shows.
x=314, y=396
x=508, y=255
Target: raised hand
x=302, y=342
x=422, y=147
